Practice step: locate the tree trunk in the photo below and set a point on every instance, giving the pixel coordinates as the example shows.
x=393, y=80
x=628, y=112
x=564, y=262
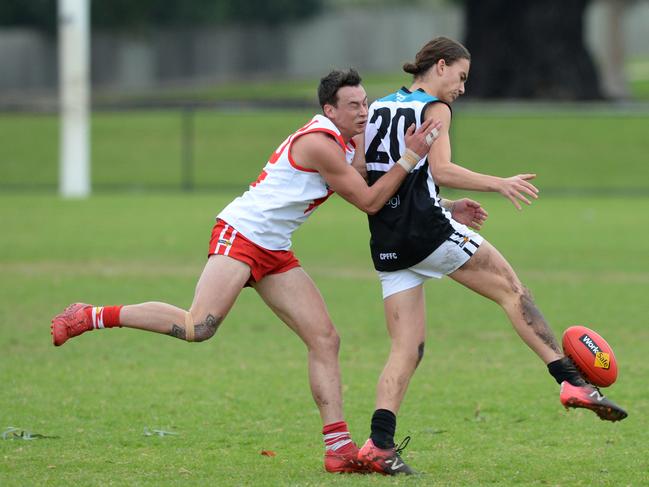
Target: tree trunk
x=529, y=49
x=614, y=82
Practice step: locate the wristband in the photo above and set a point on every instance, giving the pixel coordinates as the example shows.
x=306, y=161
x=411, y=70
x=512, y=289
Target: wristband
x=409, y=160
x=448, y=205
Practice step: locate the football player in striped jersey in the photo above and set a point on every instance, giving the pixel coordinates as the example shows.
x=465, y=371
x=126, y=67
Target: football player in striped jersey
x=418, y=236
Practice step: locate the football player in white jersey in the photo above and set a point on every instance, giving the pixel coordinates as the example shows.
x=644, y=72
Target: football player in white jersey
x=406, y=256
x=250, y=246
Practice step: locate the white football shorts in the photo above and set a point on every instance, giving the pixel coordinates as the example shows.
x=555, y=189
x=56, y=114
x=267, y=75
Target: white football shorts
x=447, y=258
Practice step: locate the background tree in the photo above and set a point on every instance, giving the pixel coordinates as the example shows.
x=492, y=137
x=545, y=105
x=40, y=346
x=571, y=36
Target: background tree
x=529, y=49
x=138, y=14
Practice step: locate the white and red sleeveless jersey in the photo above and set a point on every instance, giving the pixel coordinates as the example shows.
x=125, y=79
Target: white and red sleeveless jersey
x=284, y=194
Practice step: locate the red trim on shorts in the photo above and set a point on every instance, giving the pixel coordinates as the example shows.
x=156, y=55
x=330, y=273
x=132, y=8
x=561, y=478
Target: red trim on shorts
x=226, y=240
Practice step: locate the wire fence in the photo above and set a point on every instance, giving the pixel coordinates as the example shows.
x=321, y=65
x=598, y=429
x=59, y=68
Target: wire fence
x=577, y=149
x=180, y=147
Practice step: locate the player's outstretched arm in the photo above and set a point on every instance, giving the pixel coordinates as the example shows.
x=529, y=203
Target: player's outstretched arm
x=324, y=155
x=517, y=188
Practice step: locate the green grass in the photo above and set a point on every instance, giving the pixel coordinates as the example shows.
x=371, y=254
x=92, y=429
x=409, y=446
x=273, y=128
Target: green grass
x=567, y=149
x=640, y=90
x=637, y=70
x=481, y=409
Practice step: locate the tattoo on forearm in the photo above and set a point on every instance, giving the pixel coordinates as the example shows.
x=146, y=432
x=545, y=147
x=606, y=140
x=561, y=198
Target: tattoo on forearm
x=534, y=318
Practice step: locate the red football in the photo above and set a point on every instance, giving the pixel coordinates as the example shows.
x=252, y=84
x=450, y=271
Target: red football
x=591, y=354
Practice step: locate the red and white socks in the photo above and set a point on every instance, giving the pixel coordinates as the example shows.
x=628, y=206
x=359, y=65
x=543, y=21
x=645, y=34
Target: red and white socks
x=337, y=438
x=104, y=316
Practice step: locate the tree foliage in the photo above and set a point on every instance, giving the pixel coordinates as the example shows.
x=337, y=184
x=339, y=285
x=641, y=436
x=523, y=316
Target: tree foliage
x=529, y=49
x=138, y=14
x=40, y=14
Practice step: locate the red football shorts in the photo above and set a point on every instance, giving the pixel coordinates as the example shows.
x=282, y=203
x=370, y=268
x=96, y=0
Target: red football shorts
x=262, y=262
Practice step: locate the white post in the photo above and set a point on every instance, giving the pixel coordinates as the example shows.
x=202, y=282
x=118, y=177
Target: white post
x=74, y=162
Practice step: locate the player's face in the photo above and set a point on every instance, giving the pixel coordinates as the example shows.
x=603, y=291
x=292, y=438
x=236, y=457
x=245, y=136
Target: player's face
x=350, y=113
x=453, y=79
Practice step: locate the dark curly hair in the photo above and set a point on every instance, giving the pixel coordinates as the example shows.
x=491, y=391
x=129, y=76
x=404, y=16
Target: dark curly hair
x=330, y=84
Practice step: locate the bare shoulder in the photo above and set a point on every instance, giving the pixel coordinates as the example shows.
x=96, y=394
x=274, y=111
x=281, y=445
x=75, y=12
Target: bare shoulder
x=313, y=150
x=438, y=111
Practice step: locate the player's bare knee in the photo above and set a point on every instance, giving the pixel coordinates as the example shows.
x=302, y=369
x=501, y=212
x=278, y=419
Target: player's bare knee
x=526, y=294
x=201, y=331
x=409, y=354
x=326, y=342
x=522, y=297
x=513, y=294
x=333, y=342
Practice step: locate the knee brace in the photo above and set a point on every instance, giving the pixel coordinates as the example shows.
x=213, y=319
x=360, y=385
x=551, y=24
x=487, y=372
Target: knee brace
x=189, y=327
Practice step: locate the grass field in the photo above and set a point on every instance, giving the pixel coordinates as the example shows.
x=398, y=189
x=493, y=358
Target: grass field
x=570, y=150
x=481, y=409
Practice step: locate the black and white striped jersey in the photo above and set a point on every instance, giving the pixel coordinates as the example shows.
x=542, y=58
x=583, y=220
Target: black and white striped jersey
x=412, y=224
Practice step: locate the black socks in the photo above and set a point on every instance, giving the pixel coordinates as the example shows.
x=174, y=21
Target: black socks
x=384, y=424
x=564, y=369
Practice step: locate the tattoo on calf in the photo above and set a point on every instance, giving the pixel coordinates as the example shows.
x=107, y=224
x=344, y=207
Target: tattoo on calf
x=207, y=329
x=534, y=318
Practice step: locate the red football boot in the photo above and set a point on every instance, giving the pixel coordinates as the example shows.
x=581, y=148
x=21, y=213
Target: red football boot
x=385, y=461
x=344, y=462
x=588, y=396
x=72, y=322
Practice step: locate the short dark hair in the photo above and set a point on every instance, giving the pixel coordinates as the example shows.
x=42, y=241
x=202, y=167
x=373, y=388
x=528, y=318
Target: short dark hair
x=330, y=84
x=434, y=50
